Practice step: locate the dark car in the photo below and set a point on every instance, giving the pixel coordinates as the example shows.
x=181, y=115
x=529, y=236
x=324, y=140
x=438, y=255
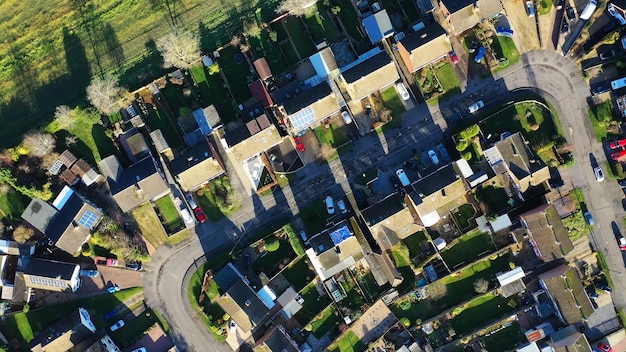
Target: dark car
x=556, y=183
x=133, y=266
x=276, y=160
x=571, y=13
x=592, y=293
x=607, y=54
x=600, y=88
x=564, y=27
x=368, y=109
x=247, y=260
x=473, y=46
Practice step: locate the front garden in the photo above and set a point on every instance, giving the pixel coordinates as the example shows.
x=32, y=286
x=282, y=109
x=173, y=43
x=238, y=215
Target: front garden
x=438, y=82
x=575, y=223
x=217, y=199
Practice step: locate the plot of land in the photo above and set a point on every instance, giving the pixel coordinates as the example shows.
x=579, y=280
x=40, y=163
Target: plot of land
x=326, y=321
x=299, y=274
x=313, y=304
x=505, y=339
x=269, y=263
x=237, y=72
x=149, y=225
x=465, y=213
x=482, y=310
x=320, y=24
x=467, y=249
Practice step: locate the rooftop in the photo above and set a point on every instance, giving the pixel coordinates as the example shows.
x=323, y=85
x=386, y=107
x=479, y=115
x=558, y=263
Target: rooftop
x=384, y=209
x=549, y=236
x=195, y=166
x=568, y=293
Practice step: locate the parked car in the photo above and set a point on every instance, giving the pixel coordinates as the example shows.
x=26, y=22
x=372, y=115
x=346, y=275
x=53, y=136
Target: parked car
x=304, y=237
x=299, y=145
x=597, y=171
x=605, y=347
x=433, y=157
x=134, y=266
x=453, y=57
x=89, y=273
x=118, y=325
x=199, y=215
x=191, y=201
x=605, y=55
x=276, y=160
x=247, y=260
x=571, y=13
x=618, y=143
x=404, y=94
x=480, y=54
x=592, y=293
x=589, y=218
x=342, y=206
x=603, y=287
x=346, y=117
x=621, y=241
x=330, y=205
x=232, y=326
x=256, y=171
x=475, y=107
x=473, y=46
x=564, y=27
x=106, y=261
x=113, y=289
x=186, y=215
x=530, y=9
x=404, y=179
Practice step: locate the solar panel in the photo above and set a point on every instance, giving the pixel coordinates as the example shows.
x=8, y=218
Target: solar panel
x=302, y=119
x=88, y=219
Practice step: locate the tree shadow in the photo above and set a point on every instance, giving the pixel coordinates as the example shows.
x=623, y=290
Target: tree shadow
x=147, y=69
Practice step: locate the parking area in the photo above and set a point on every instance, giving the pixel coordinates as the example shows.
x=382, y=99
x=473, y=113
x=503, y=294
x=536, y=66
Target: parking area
x=108, y=276
x=524, y=27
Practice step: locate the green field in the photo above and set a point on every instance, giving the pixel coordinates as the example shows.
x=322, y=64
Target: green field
x=52, y=48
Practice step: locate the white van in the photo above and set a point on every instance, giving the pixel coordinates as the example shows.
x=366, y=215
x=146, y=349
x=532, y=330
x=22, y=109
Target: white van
x=404, y=179
x=588, y=10
x=186, y=215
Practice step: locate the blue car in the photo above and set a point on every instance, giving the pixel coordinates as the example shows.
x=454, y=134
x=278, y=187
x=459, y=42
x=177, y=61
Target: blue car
x=480, y=55
x=89, y=273
x=589, y=218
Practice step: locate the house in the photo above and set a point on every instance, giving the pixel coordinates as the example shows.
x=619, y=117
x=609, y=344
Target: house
x=200, y=123
x=457, y=16
x=160, y=144
x=436, y=194
x=276, y=340
x=390, y=220
x=427, y=45
x=67, y=223
x=370, y=73
x=305, y=106
x=569, y=339
x=513, y=159
x=244, y=306
x=196, y=166
x=511, y=282
x=86, y=173
x=105, y=344
x=64, y=334
x=324, y=63
x=378, y=27
x=617, y=9
x=567, y=294
x=262, y=68
x=260, y=93
x=51, y=275
x=546, y=232
x=134, y=144
x=135, y=185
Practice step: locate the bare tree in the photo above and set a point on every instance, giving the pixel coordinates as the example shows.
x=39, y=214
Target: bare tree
x=39, y=143
x=70, y=140
x=179, y=49
x=481, y=286
x=294, y=7
x=64, y=117
x=105, y=94
x=23, y=234
x=437, y=290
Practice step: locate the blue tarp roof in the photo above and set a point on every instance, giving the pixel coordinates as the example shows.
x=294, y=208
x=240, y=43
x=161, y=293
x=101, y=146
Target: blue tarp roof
x=340, y=235
x=378, y=26
x=202, y=121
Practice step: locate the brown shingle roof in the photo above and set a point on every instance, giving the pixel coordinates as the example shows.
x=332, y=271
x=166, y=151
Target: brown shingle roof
x=568, y=293
x=67, y=158
x=548, y=235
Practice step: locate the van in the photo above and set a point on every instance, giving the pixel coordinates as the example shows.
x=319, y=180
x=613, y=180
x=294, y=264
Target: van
x=186, y=215
x=588, y=10
x=404, y=179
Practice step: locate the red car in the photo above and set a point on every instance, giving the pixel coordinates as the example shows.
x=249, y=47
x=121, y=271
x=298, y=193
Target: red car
x=605, y=347
x=299, y=144
x=618, y=155
x=618, y=143
x=453, y=57
x=200, y=215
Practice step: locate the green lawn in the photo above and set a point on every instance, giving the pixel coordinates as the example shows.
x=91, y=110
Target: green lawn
x=407, y=6
x=263, y=46
x=413, y=242
x=327, y=321
x=299, y=274
x=270, y=261
x=449, y=81
x=349, y=18
x=603, y=120
x=135, y=329
x=216, y=199
x=23, y=326
x=400, y=254
x=370, y=288
x=467, y=249
x=505, y=339
x=149, y=224
x=301, y=40
x=313, y=304
x=480, y=311
x=392, y=101
x=349, y=342
x=464, y=214
x=332, y=136
x=158, y=119
x=544, y=7
x=12, y=205
x=320, y=24
x=505, y=48
x=237, y=74
x=168, y=210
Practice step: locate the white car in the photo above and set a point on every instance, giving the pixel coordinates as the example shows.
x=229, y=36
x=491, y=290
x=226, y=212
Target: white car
x=346, y=117
x=342, y=206
x=404, y=94
x=117, y=325
x=530, y=9
x=256, y=171
x=330, y=205
x=404, y=179
x=475, y=107
x=433, y=157
x=598, y=173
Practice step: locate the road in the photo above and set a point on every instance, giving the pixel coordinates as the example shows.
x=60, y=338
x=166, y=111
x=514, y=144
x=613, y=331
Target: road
x=550, y=74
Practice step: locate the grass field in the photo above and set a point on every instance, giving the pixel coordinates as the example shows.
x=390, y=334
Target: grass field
x=333, y=136
x=168, y=210
x=320, y=24
x=467, y=249
x=329, y=319
x=313, y=304
x=505, y=339
x=299, y=274
x=348, y=343
x=149, y=224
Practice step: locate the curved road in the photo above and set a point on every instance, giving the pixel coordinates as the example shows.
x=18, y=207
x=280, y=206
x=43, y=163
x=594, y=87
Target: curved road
x=554, y=76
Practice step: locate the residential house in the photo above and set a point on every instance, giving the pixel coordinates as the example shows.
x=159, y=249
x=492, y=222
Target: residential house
x=64, y=334
x=160, y=144
x=276, y=340
x=305, y=106
x=196, y=166
x=134, y=144
x=51, y=275
x=569, y=339
x=427, y=45
x=244, y=306
x=373, y=71
x=457, y=16
x=324, y=63
x=617, y=9
x=435, y=195
x=105, y=344
x=67, y=223
x=511, y=282
x=513, y=159
x=378, y=27
x=567, y=294
x=262, y=69
x=546, y=233
x=87, y=174
x=135, y=185
x=619, y=100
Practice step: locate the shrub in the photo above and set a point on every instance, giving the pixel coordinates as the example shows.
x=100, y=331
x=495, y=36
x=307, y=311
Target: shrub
x=481, y=286
x=294, y=240
x=272, y=244
x=470, y=132
x=461, y=145
x=467, y=156
x=405, y=305
x=405, y=322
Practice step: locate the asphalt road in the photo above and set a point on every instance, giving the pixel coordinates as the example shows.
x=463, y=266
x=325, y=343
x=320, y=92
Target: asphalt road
x=550, y=74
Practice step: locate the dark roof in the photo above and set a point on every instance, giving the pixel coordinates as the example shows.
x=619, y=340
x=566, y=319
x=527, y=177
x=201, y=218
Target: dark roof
x=191, y=157
x=383, y=209
x=277, y=340
x=262, y=68
x=423, y=36
x=64, y=217
x=251, y=111
x=260, y=93
x=226, y=277
x=436, y=181
x=248, y=301
x=517, y=155
x=547, y=232
x=307, y=97
x=236, y=135
x=69, y=324
x=456, y=5
x=321, y=242
x=129, y=176
x=39, y=214
x=364, y=68
x=568, y=292
x=50, y=268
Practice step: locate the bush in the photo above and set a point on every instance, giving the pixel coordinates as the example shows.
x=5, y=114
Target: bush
x=470, y=132
x=481, y=286
x=272, y=244
x=294, y=240
x=405, y=305
x=405, y=322
x=467, y=156
x=461, y=145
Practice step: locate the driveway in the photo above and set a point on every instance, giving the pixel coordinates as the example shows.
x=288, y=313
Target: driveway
x=524, y=27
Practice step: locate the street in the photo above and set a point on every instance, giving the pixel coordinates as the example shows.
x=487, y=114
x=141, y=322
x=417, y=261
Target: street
x=547, y=73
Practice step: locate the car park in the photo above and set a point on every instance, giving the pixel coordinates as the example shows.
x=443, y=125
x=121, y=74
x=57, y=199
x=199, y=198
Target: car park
x=299, y=145
x=199, y=215
x=530, y=9
x=346, y=117
x=589, y=218
x=191, y=201
x=118, y=325
x=404, y=93
x=330, y=205
x=433, y=157
x=597, y=171
x=89, y=273
x=618, y=143
x=476, y=106
x=453, y=57
x=342, y=206
x=276, y=160
x=605, y=55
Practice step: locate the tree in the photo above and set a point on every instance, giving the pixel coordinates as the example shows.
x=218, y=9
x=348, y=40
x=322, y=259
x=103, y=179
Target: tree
x=39, y=143
x=179, y=49
x=273, y=36
x=293, y=7
x=335, y=10
x=481, y=286
x=437, y=290
x=214, y=68
x=272, y=244
x=22, y=234
x=294, y=240
x=405, y=322
x=105, y=94
x=70, y=140
x=63, y=115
